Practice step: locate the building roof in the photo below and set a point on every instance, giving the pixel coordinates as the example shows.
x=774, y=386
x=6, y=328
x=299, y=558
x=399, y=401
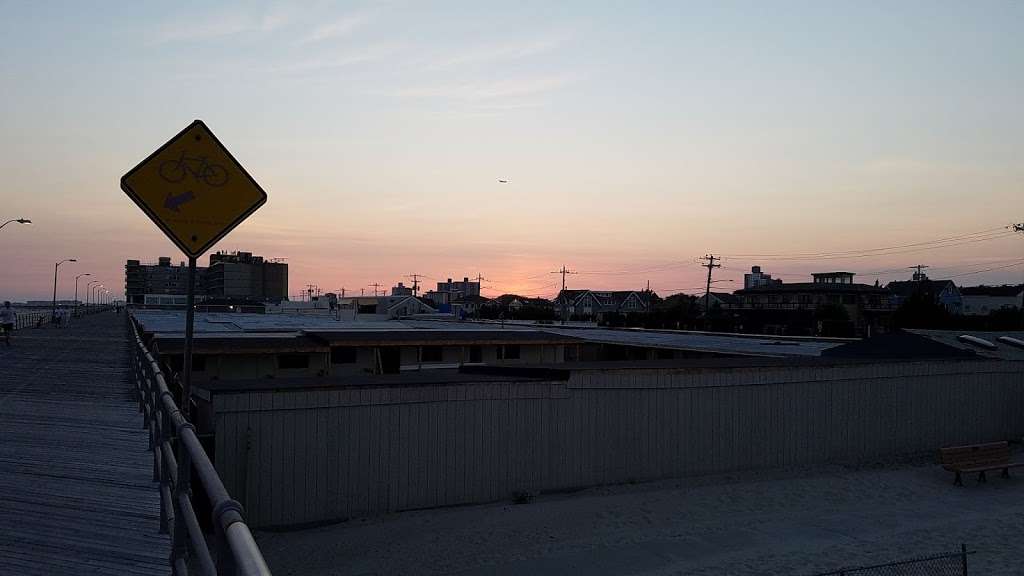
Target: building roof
x=438, y=337
x=812, y=287
x=1007, y=290
x=899, y=344
x=1002, y=350
x=707, y=342
x=726, y=297
x=907, y=288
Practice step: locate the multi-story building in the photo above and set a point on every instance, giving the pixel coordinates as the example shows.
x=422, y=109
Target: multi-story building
x=236, y=275
x=401, y=290
x=757, y=278
x=242, y=275
x=158, y=279
x=459, y=290
x=800, y=306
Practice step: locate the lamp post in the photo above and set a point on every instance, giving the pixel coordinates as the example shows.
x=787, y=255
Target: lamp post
x=76, y=289
x=18, y=220
x=88, y=291
x=53, y=308
x=95, y=294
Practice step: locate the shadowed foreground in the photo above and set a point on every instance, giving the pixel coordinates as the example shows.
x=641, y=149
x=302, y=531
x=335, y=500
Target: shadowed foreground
x=801, y=522
x=76, y=495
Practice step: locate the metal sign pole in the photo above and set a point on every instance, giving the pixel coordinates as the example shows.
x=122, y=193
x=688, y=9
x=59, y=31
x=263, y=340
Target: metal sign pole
x=190, y=316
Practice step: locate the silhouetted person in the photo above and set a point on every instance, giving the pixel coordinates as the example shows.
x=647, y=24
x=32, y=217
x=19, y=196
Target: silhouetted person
x=7, y=319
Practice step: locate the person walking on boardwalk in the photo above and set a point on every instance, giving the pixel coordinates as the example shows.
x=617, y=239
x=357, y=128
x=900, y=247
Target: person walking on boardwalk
x=7, y=319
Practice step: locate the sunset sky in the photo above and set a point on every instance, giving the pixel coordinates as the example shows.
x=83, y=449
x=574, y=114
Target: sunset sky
x=636, y=137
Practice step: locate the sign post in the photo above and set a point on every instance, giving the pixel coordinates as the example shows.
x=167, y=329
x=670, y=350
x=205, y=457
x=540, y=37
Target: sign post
x=194, y=190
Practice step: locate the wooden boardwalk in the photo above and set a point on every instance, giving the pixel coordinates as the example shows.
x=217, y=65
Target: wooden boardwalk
x=76, y=495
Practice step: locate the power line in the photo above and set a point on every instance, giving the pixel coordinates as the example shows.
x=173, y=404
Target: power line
x=991, y=231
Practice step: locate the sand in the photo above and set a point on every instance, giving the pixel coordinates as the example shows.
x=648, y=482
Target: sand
x=781, y=522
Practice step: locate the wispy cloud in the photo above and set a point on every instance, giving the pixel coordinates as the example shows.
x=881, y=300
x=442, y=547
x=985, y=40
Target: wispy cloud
x=338, y=28
x=212, y=26
x=326, y=63
x=497, y=53
x=492, y=90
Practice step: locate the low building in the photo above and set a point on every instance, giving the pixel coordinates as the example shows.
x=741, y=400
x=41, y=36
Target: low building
x=983, y=300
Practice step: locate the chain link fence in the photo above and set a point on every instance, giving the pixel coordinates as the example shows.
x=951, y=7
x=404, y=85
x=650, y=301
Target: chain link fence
x=952, y=564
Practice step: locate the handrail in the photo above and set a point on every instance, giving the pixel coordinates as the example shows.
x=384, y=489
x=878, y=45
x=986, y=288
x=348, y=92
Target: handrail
x=177, y=455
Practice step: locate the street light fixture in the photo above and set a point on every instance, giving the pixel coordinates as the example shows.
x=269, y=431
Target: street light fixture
x=96, y=293
x=88, y=291
x=53, y=308
x=18, y=220
x=76, y=289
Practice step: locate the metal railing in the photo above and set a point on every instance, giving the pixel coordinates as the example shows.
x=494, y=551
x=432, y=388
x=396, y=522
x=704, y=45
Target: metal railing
x=177, y=455
x=952, y=564
x=24, y=320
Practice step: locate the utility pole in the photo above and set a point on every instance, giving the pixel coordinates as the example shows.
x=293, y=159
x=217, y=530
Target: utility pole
x=1019, y=228
x=709, y=263
x=375, y=285
x=561, y=294
x=919, y=275
x=480, y=283
x=415, y=283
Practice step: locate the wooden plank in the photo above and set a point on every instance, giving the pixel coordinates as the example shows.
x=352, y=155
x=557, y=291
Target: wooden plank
x=75, y=474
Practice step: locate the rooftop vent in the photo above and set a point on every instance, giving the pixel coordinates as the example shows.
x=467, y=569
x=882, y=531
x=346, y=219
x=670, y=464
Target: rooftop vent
x=975, y=341
x=1011, y=341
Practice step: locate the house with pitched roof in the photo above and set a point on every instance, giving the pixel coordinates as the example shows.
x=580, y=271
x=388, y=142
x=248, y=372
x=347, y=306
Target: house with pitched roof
x=594, y=304
x=943, y=292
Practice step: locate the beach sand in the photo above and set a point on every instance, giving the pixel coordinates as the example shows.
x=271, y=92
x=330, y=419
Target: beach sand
x=780, y=522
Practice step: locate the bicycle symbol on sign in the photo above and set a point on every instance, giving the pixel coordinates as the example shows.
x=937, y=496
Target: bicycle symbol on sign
x=200, y=168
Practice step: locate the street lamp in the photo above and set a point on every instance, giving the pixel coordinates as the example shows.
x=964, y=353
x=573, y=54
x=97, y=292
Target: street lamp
x=53, y=309
x=88, y=290
x=76, y=289
x=96, y=293
x=18, y=220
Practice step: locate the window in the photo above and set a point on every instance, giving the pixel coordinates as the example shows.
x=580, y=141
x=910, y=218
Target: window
x=292, y=361
x=508, y=352
x=849, y=299
x=431, y=353
x=476, y=354
x=343, y=355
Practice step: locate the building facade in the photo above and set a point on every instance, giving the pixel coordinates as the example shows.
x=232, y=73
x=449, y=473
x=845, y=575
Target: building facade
x=242, y=275
x=158, y=279
x=818, y=305
x=757, y=278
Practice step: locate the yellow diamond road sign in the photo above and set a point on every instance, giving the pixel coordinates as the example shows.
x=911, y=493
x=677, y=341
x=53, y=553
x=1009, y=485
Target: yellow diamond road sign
x=194, y=189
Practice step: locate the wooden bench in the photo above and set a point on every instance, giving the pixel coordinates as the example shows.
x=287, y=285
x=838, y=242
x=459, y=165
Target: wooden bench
x=978, y=458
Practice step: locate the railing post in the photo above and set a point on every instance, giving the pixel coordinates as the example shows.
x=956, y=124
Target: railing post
x=963, y=556
x=180, y=547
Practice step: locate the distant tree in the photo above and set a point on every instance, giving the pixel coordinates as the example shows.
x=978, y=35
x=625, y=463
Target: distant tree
x=922, y=311
x=833, y=320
